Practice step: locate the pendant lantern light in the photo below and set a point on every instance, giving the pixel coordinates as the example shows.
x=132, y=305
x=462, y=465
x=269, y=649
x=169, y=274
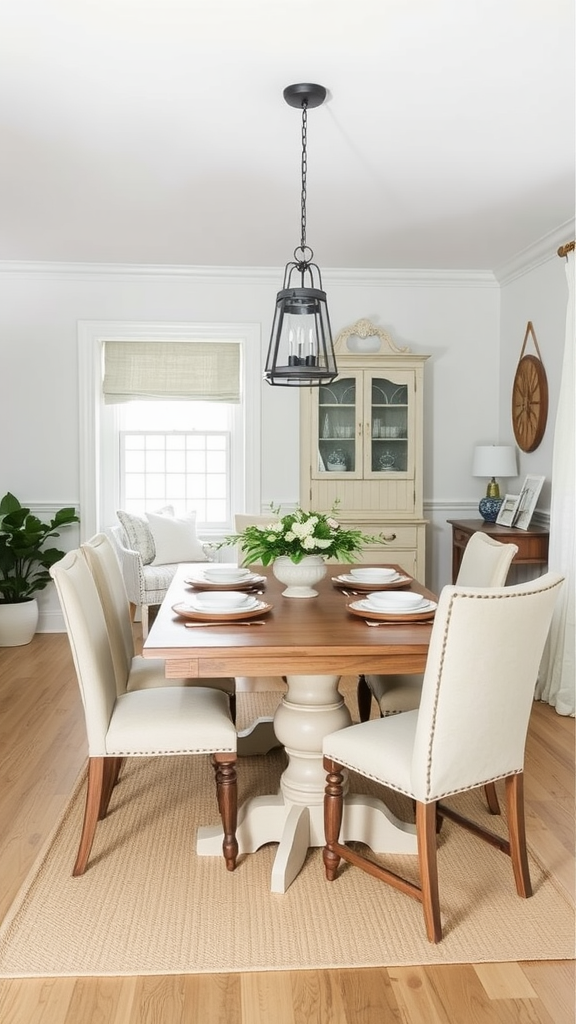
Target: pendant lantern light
x=301, y=353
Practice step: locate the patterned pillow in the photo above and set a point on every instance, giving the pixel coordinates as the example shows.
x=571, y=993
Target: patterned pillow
x=138, y=533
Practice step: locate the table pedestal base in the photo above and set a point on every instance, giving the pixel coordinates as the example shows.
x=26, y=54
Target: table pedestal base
x=294, y=818
x=269, y=819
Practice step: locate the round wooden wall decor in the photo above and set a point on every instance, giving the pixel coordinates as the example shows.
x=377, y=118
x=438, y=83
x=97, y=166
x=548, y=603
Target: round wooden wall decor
x=529, y=398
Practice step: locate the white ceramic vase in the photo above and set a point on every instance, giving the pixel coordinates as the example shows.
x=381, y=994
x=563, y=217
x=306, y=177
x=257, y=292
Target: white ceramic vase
x=299, y=577
x=18, y=623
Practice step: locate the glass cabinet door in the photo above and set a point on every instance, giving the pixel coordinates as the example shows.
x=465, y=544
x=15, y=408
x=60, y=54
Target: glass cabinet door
x=389, y=404
x=336, y=426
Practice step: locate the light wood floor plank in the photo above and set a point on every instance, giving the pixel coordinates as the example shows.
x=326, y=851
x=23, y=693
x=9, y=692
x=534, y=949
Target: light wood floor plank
x=35, y=1000
x=369, y=997
x=212, y=997
x=267, y=996
x=504, y=981
x=317, y=998
x=555, y=983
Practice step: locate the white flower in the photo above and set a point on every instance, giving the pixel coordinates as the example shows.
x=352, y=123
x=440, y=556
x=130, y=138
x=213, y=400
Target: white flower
x=309, y=543
x=322, y=543
x=333, y=524
x=306, y=529
x=290, y=536
x=275, y=527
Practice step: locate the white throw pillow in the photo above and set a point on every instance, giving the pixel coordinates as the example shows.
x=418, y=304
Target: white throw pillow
x=175, y=539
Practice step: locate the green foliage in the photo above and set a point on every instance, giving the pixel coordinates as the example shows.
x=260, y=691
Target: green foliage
x=24, y=561
x=298, y=534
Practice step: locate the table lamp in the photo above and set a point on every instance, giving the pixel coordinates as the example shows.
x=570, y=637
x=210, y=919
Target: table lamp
x=492, y=460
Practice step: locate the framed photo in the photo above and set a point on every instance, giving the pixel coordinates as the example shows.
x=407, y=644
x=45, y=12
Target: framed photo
x=508, y=510
x=528, y=497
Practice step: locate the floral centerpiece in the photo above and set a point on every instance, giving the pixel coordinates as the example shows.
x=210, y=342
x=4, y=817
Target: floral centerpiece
x=299, y=534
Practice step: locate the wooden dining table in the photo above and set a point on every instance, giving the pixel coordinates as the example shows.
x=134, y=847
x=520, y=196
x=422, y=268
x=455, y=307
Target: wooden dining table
x=311, y=642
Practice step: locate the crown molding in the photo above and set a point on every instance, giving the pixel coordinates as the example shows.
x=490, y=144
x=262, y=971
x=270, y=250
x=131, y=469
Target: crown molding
x=351, y=277
x=540, y=252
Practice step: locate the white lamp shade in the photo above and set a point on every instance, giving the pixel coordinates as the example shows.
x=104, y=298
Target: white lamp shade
x=494, y=460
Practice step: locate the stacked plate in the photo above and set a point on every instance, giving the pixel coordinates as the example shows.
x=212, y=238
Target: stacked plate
x=221, y=606
x=373, y=574
x=395, y=601
x=223, y=601
x=226, y=574
x=368, y=579
x=394, y=604
x=224, y=577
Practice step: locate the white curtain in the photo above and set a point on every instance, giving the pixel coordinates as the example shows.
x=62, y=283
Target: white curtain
x=556, y=685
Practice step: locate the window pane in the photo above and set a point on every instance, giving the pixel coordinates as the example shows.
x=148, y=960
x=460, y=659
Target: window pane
x=189, y=470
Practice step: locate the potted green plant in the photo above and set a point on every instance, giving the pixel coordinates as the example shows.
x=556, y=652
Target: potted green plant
x=24, y=565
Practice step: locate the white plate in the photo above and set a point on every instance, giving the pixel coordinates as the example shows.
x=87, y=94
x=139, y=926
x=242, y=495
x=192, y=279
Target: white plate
x=365, y=606
x=198, y=604
x=226, y=573
x=350, y=578
x=395, y=600
x=373, y=575
x=186, y=612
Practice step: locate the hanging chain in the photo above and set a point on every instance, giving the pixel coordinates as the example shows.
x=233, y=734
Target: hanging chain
x=304, y=172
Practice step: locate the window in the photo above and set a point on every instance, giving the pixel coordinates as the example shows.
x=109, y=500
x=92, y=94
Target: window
x=177, y=453
x=213, y=435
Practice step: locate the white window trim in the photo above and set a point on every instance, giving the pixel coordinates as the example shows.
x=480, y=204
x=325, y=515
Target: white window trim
x=91, y=336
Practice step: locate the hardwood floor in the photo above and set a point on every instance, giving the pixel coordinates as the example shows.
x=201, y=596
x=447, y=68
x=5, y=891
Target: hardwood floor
x=43, y=747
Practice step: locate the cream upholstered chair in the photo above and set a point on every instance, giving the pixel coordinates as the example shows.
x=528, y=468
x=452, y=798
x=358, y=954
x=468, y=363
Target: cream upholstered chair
x=485, y=563
x=469, y=730
x=132, y=671
x=152, y=722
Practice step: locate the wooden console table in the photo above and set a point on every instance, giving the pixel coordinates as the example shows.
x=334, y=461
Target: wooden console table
x=532, y=544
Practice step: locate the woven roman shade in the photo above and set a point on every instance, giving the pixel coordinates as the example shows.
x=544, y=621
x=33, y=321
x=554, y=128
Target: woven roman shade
x=163, y=371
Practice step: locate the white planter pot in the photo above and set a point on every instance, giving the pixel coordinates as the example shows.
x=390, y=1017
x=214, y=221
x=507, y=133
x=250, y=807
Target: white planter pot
x=18, y=623
x=300, y=577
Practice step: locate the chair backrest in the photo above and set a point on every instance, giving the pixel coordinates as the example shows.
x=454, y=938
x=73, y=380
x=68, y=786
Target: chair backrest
x=241, y=521
x=88, y=636
x=478, y=686
x=485, y=562
x=105, y=568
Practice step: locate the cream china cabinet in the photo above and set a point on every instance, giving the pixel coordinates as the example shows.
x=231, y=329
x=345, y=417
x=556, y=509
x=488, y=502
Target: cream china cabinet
x=361, y=443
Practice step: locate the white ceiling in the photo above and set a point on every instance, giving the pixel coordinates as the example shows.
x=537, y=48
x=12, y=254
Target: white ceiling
x=155, y=131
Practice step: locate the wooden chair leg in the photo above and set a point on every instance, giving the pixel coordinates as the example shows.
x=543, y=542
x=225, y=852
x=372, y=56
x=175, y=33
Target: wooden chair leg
x=144, y=616
x=333, y=810
x=426, y=834
x=517, y=833
x=112, y=768
x=227, y=793
x=132, y=611
x=364, y=698
x=492, y=798
x=96, y=769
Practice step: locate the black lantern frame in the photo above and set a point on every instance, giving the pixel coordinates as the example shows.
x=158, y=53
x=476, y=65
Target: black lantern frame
x=301, y=352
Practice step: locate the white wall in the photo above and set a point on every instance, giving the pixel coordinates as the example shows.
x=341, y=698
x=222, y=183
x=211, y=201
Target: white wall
x=454, y=318
x=539, y=295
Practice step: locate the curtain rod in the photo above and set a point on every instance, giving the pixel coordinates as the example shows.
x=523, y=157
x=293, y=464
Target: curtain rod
x=565, y=249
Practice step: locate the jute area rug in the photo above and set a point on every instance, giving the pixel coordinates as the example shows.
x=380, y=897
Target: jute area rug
x=148, y=905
